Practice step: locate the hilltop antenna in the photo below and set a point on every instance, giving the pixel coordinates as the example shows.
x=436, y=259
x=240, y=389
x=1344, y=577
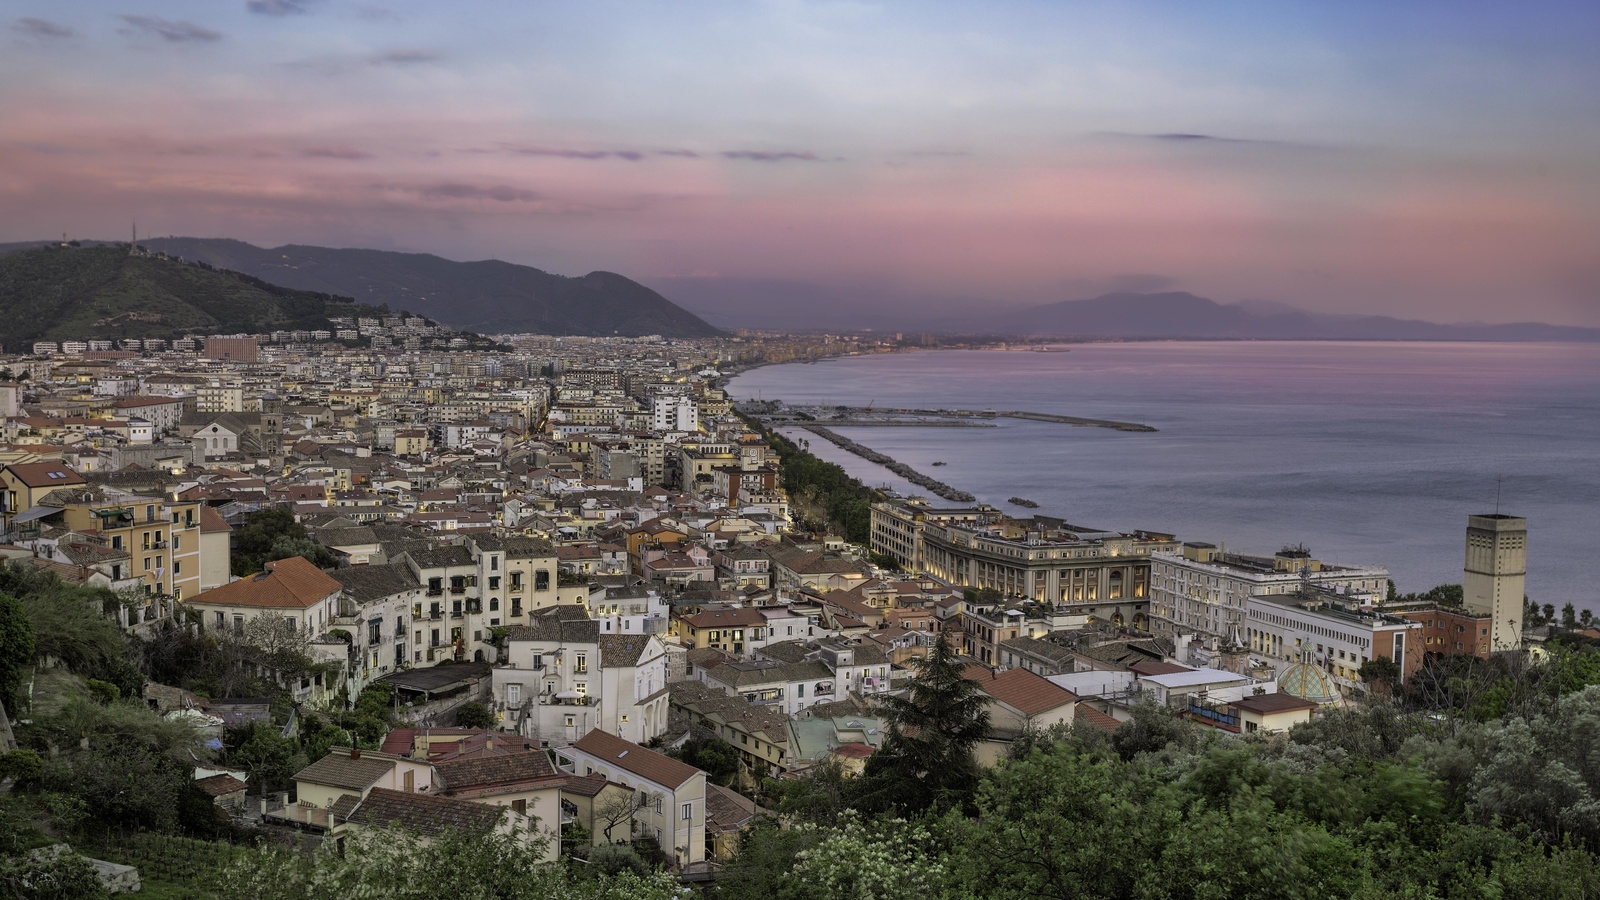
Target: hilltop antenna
x=133, y=245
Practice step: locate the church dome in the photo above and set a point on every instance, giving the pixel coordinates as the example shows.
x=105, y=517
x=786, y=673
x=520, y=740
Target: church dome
x=1308, y=682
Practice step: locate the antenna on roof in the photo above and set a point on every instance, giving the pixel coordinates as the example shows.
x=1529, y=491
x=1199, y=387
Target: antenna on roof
x=1497, y=480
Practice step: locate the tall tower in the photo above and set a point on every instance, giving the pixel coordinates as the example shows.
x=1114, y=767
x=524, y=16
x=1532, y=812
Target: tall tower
x=1492, y=583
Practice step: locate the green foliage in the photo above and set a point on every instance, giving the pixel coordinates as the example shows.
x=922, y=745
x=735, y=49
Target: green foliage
x=47, y=875
x=469, y=865
x=927, y=760
x=843, y=502
x=270, y=534
x=16, y=651
x=474, y=715
x=71, y=623
x=21, y=766
x=268, y=758
x=716, y=757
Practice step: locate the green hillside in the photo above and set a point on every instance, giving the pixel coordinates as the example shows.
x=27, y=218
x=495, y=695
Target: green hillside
x=59, y=293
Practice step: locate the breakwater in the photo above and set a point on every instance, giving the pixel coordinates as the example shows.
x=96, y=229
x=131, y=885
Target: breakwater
x=899, y=468
x=865, y=416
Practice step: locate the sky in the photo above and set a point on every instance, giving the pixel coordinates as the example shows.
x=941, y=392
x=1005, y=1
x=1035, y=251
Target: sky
x=1426, y=159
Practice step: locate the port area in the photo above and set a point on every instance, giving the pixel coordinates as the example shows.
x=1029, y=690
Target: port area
x=875, y=416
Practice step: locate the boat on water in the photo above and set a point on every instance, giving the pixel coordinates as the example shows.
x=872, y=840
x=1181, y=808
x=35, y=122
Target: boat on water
x=939, y=463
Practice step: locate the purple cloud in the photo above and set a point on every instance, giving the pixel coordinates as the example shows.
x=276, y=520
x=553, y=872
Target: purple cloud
x=405, y=56
x=278, y=7
x=335, y=153
x=771, y=155
x=28, y=26
x=168, y=30
x=558, y=153
x=452, y=190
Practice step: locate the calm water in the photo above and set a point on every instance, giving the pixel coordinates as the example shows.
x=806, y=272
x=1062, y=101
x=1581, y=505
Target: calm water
x=1367, y=453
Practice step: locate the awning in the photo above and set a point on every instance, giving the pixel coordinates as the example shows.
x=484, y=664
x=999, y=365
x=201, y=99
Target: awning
x=37, y=512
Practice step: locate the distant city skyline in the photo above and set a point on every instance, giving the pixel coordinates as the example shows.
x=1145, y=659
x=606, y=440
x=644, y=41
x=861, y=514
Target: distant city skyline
x=1434, y=161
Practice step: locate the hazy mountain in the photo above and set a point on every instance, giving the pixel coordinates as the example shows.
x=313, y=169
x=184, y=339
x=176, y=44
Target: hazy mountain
x=1180, y=314
x=56, y=293
x=787, y=305
x=487, y=296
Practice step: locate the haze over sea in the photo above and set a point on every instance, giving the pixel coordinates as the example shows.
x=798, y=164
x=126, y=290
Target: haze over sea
x=1368, y=453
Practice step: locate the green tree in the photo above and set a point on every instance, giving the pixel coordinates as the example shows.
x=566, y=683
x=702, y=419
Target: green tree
x=1380, y=670
x=927, y=759
x=716, y=757
x=16, y=651
x=474, y=715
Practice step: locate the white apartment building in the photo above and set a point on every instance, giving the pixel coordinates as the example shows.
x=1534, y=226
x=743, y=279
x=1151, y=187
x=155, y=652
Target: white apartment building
x=1200, y=590
x=561, y=677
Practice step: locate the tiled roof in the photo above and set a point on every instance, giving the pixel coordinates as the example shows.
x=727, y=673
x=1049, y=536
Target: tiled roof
x=727, y=810
x=622, y=650
x=589, y=785
x=369, y=583
x=293, y=583
x=44, y=474
x=1095, y=717
x=724, y=618
x=338, y=770
x=1020, y=689
x=220, y=785
x=423, y=813
x=211, y=521
x=1266, y=704
x=478, y=772
x=631, y=757
x=554, y=625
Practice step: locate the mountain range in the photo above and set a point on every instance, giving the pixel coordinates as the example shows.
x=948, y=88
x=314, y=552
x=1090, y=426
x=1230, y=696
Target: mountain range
x=488, y=296
x=1179, y=314
x=67, y=292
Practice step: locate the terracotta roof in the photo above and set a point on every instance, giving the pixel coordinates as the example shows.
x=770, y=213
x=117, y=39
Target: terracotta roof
x=293, y=583
x=220, y=785
x=337, y=769
x=631, y=757
x=589, y=785
x=44, y=474
x=1095, y=717
x=423, y=813
x=1020, y=689
x=212, y=522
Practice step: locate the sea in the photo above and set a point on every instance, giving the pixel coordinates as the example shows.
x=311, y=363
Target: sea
x=1365, y=453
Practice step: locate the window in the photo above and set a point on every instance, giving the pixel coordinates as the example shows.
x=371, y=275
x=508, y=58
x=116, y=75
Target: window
x=513, y=694
x=177, y=567
x=688, y=812
x=494, y=604
x=541, y=580
x=147, y=563
x=494, y=564
x=177, y=544
x=583, y=663
x=571, y=721
x=581, y=687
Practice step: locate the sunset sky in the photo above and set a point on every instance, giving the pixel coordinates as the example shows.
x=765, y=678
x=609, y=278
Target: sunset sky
x=1437, y=160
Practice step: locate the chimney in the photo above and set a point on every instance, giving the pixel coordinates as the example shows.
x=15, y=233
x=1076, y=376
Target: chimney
x=355, y=752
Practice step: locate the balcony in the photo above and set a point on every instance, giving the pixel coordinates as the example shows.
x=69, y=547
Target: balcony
x=435, y=592
x=573, y=700
x=435, y=614
x=458, y=589
x=474, y=606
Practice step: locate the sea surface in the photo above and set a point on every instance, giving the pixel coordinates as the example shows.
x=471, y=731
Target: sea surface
x=1367, y=453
